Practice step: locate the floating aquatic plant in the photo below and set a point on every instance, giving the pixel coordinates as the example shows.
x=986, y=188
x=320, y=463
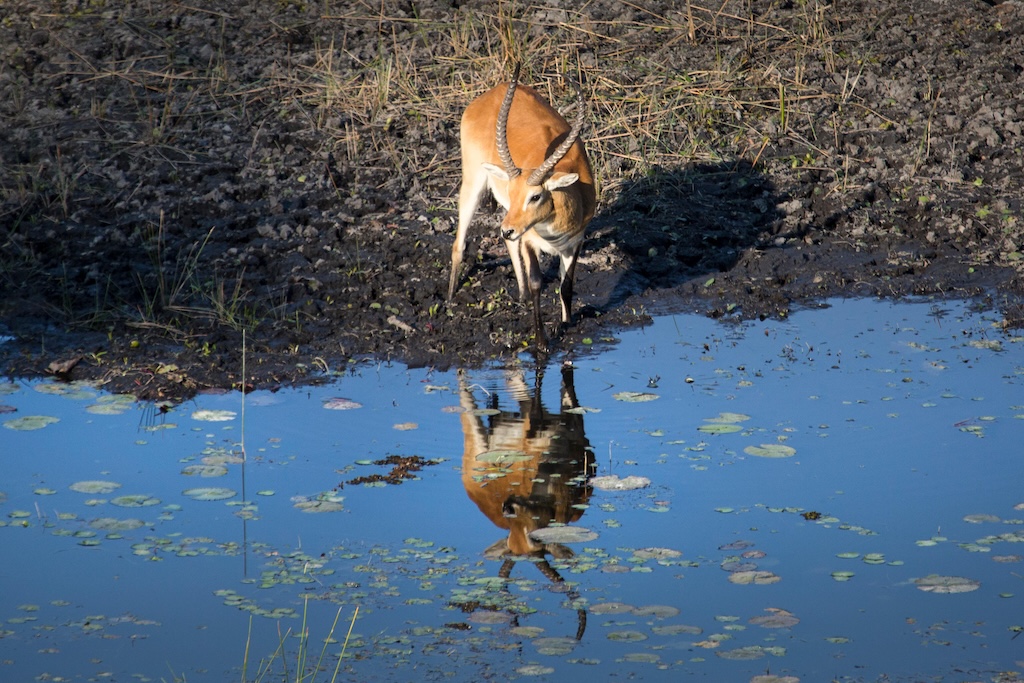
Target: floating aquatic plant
x=30, y=423
x=209, y=493
x=612, y=482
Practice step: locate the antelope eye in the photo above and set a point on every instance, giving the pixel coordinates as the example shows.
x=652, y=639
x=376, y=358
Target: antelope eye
x=534, y=198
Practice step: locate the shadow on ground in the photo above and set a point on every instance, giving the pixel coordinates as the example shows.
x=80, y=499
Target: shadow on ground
x=679, y=225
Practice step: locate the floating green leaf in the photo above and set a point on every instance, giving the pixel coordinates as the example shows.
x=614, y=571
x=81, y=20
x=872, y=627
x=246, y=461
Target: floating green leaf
x=205, y=415
x=657, y=611
x=770, y=450
x=842, y=576
x=776, y=618
x=656, y=553
x=135, y=501
x=612, y=482
x=502, y=456
x=635, y=396
x=627, y=636
x=112, y=404
x=339, y=403
x=327, y=501
x=94, y=487
x=980, y=518
x=728, y=418
x=30, y=422
x=743, y=653
x=563, y=534
x=204, y=471
x=114, y=524
x=754, y=577
x=535, y=670
x=612, y=608
x=719, y=428
x=933, y=583
x=641, y=657
x=676, y=630
x=209, y=493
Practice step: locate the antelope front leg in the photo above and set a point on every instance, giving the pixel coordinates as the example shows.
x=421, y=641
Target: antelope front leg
x=565, y=289
x=474, y=184
x=533, y=275
x=515, y=252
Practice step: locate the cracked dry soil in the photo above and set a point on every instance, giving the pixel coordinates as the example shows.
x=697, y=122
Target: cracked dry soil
x=172, y=174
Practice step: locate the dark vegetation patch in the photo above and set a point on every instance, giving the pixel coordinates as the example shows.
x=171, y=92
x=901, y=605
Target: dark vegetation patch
x=172, y=176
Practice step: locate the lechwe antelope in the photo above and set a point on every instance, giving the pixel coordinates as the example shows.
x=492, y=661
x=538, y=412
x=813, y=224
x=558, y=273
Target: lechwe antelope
x=550, y=196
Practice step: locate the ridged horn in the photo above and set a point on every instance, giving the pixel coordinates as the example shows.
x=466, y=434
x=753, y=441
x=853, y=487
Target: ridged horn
x=538, y=176
x=501, y=134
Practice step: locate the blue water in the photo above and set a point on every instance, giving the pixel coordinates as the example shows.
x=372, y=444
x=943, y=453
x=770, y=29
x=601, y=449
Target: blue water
x=905, y=419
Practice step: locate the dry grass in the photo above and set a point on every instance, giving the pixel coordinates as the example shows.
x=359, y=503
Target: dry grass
x=646, y=112
x=748, y=78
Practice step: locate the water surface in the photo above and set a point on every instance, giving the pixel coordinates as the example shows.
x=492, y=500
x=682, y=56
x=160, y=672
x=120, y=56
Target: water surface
x=868, y=441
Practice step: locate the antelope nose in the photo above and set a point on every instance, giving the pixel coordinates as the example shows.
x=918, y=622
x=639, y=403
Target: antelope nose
x=507, y=234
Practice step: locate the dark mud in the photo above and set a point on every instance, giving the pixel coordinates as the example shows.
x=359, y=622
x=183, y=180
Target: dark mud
x=172, y=176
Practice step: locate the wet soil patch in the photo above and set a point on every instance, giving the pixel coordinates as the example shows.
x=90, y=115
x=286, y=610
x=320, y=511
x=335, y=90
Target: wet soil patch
x=172, y=177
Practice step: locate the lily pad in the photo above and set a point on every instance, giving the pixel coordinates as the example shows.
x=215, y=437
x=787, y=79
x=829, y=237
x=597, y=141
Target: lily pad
x=535, y=670
x=656, y=553
x=677, y=630
x=657, y=611
x=770, y=450
x=754, y=577
x=719, y=428
x=135, y=501
x=115, y=404
x=933, y=583
x=776, y=618
x=489, y=617
x=728, y=418
x=563, y=534
x=743, y=653
x=209, y=493
x=612, y=608
x=503, y=456
x=30, y=422
x=980, y=518
x=205, y=471
x=339, y=403
x=114, y=524
x=95, y=487
x=612, y=482
x=324, y=502
x=635, y=396
x=627, y=636
x=205, y=415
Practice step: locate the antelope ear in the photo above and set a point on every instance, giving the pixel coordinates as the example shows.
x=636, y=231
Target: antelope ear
x=496, y=171
x=560, y=180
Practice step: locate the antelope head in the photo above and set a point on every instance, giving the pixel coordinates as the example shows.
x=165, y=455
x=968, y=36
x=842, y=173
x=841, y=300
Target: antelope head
x=532, y=199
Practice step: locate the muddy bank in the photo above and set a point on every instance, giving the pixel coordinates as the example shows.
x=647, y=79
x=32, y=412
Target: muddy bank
x=174, y=176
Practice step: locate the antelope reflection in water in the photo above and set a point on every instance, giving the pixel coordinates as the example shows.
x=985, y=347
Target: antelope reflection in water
x=526, y=494
x=545, y=480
